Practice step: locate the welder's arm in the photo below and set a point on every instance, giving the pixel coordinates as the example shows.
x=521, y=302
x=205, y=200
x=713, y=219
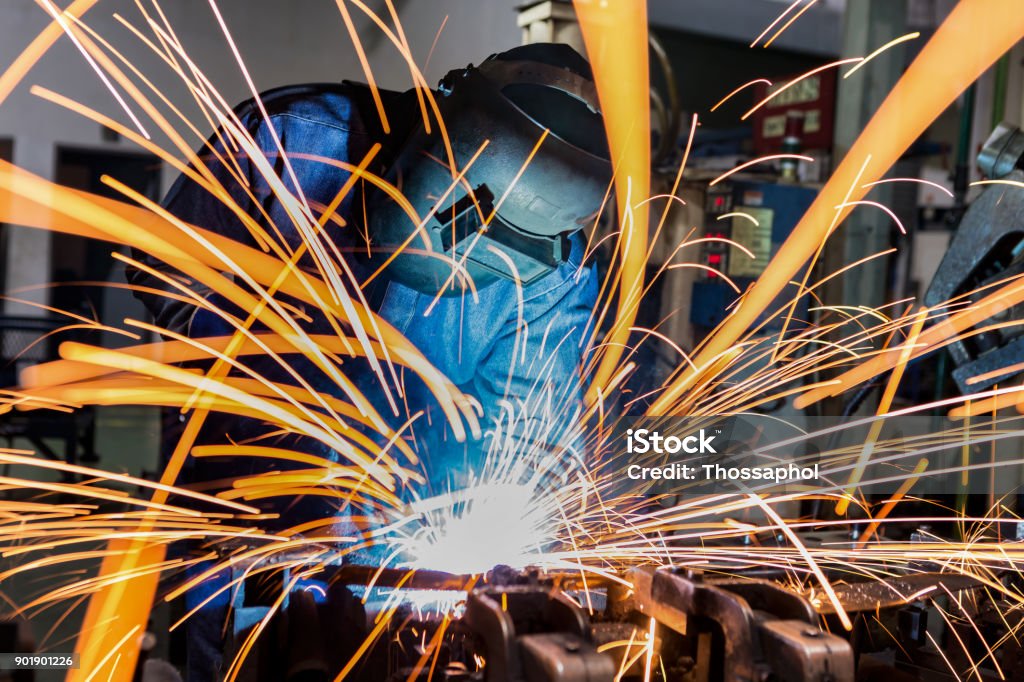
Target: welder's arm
x=194, y=205
x=544, y=387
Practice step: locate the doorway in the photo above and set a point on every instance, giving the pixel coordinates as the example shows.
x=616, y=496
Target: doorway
x=76, y=259
x=6, y=154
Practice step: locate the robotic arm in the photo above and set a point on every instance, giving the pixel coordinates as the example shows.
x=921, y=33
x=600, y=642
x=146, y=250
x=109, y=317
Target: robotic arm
x=988, y=251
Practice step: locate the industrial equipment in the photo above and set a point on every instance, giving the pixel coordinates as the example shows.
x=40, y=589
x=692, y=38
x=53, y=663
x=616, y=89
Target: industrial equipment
x=531, y=626
x=987, y=252
x=759, y=216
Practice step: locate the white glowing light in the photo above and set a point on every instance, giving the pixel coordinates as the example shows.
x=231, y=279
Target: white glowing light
x=489, y=525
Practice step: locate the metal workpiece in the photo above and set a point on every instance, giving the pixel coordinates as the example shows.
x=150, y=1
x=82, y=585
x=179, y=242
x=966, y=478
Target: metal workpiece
x=872, y=595
x=560, y=656
x=795, y=650
x=763, y=631
x=341, y=570
x=528, y=633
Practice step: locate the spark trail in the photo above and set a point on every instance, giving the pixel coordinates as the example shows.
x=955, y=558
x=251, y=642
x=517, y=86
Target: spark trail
x=566, y=507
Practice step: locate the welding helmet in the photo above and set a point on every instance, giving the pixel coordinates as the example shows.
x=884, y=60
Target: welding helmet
x=511, y=204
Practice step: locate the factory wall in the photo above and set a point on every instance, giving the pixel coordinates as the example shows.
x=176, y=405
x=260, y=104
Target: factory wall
x=281, y=42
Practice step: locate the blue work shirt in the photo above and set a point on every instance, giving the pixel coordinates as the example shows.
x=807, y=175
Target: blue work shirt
x=473, y=342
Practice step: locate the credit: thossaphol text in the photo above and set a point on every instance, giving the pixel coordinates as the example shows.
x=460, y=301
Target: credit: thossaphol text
x=719, y=472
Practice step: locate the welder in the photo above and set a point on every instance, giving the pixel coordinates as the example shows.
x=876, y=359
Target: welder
x=514, y=225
